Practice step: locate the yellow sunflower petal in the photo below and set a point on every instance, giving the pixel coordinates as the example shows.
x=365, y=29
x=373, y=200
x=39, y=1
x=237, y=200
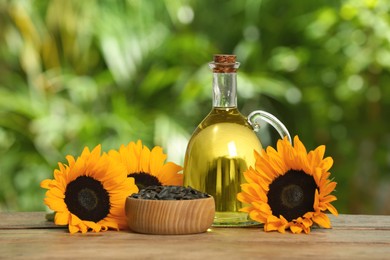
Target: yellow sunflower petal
x=92, y=225
x=110, y=224
x=328, y=199
x=83, y=228
x=61, y=176
x=145, y=160
x=130, y=158
x=263, y=207
x=251, y=175
x=317, y=174
x=78, y=169
x=272, y=160
x=301, y=161
x=94, y=155
x=55, y=204
x=328, y=188
x=46, y=183
x=246, y=209
x=296, y=229
x=137, y=147
x=257, y=216
x=307, y=222
x=243, y=197
x=298, y=145
x=287, y=152
x=71, y=160
x=315, y=157
x=55, y=192
x=272, y=226
x=73, y=229
x=61, y=218
x=322, y=220
x=253, y=191
x=327, y=163
x=277, y=163
x=275, y=223
x=169, y=174
x=157, y=159
x=332, y=209
x=74, y=220
x=316, y=200
x=266, y=171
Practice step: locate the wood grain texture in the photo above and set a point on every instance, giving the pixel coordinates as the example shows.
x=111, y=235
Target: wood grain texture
x=352, y=237
x=25, y=220
x=170, y=217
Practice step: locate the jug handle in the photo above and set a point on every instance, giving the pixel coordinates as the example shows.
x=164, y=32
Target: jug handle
x=257, y=115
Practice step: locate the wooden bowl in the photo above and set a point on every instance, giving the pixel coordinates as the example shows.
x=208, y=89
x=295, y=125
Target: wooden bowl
x=170, y=217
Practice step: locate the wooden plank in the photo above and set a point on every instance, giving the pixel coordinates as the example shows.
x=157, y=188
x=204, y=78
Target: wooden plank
x=361, y=221
x=28, y=235
x=229, y=243
x=17, y=220
x=12, y=220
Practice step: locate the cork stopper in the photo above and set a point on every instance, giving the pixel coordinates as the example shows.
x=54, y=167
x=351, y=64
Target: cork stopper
x=224, y=58
x=224, y=63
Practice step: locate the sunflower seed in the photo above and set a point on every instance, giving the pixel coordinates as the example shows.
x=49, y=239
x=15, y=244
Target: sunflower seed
x=169, y=193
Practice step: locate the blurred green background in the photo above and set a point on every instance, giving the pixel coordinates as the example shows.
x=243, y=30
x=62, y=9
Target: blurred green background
x=78, y=73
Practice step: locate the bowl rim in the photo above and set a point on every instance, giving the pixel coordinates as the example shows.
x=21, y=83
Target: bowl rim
x=139, y=199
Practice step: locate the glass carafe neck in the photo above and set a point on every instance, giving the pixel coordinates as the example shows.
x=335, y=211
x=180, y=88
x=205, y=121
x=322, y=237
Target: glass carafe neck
x=224, y=89
x=224, y=80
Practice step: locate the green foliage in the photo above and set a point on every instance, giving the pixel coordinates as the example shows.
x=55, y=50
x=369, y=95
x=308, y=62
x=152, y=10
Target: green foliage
x=79, y=73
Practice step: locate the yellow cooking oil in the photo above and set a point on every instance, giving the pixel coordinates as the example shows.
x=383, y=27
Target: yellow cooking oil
x=218, y=153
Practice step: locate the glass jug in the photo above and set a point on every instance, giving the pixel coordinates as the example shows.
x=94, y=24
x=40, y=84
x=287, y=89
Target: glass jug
x=222, y=146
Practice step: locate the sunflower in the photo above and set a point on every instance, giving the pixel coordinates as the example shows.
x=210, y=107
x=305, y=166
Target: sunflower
x=289, y=188
x=89, y=193
x=146, y=166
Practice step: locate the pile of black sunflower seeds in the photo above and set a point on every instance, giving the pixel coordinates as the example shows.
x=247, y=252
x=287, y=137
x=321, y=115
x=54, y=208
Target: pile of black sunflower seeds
x=169, y=193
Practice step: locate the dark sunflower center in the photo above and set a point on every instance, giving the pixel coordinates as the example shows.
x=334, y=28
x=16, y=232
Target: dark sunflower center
x=143, y=180
x=86, y=198
x=292, y=195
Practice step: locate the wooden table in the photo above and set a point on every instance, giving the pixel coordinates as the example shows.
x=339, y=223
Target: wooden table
x=29, y=236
